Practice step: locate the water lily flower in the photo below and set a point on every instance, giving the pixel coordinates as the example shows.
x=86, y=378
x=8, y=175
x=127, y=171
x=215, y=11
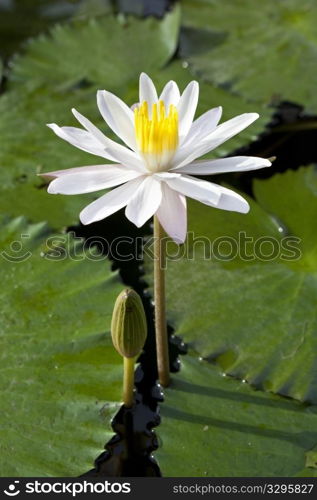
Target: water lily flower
x=154, y=170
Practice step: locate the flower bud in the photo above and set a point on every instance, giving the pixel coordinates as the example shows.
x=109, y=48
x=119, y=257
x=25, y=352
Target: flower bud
x=128, y=325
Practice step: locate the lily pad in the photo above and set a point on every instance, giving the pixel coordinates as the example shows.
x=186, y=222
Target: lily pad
x=258, y=53
x=216, y=426
x=244, y=291
x=107, y=52
x=61, y=377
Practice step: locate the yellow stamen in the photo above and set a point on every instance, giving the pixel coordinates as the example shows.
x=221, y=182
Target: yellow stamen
x=158, y=134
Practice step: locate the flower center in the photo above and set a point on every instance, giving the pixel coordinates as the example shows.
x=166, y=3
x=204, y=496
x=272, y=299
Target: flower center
x=159, y=133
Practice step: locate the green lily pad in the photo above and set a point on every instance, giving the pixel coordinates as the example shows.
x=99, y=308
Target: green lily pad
x=216, y=426
x=61, y=377
x=107, y=52
x=250, y=304
x=297, y=208
x=258, y=53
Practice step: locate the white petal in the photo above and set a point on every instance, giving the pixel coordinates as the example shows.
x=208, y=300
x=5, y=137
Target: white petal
x=89, y=179
x=224, y=165
x=167, y=175
x=187, y=153
x=229, y=200
x=172, y=214
x=187, y=107
x=90, y=127
x=128, y=158
x=66, y=171
x=118, y=116
x=203, y=191
x=110, y=202
x=116, y=152
x=119, y=153
x=145, y=202
x=170, y=94
x=81, y=140
x=204, y=125
x=209, y=193
x=232, y=127
x=147, y=91
x=58, y=173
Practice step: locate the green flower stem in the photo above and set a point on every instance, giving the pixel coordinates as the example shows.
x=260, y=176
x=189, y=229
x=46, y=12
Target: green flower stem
x=159, y=305
x=128, y=381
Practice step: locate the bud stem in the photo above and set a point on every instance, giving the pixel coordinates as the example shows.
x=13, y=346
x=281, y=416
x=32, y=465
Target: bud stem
x=128, y=381
x=159, y=304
